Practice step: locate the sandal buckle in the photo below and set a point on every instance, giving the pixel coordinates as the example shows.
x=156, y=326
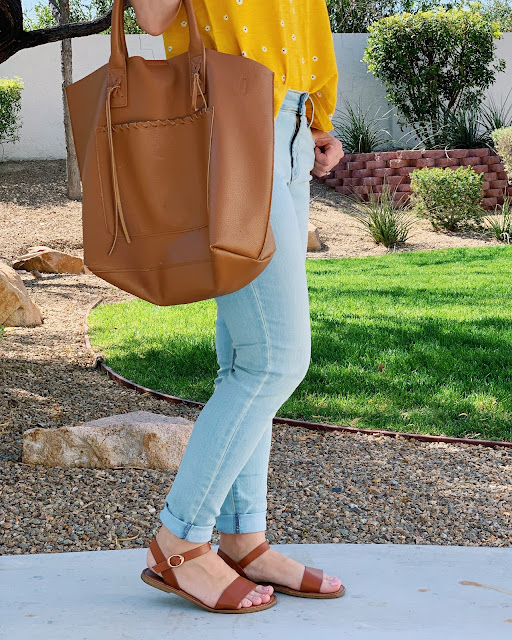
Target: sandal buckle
x=176, y=555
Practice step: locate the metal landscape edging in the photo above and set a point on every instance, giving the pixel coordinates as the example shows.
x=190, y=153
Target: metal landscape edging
x=99, y=363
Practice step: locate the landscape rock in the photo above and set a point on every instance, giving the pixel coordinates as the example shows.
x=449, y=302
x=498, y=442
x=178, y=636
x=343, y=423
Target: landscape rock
x=140, y=439
x=47, y=260
x=314, y=243
x=16, y=307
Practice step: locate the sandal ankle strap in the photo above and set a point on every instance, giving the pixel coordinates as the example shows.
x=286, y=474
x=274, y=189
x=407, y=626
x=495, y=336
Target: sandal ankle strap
x=164, y=564
x=252, y=555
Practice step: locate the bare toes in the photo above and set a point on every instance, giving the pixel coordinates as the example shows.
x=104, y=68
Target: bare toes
x=245, y=603
x=330, y=583
x=264, y=591
x=254, y=597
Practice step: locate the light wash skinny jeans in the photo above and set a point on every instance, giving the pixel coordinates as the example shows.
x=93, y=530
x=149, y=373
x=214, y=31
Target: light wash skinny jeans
x=263, y=343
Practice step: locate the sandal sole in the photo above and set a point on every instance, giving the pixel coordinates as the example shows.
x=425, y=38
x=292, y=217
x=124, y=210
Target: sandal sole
x=154, y=580
x=305, y=594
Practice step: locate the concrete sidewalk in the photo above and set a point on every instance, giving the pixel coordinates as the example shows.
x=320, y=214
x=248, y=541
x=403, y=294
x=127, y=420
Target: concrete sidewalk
x=399, y=592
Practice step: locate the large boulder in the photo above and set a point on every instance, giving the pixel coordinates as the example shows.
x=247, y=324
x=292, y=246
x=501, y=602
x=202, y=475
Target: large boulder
x=47, y=260
x=16, y=307
x=137, y=439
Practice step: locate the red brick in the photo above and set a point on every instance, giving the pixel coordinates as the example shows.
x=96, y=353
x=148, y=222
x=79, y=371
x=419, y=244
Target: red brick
x=490, y=177
x=351, y=181
x=400, y=198
x=399, y=162
x=332, y=182
x=384, y=172
x=480, y=153
x=500, y=175
x=488, y=202
x=392, y=180
x=386, y=155
x=434, y=153
x=362, y=188
x=362, y=173
x=447, y=162
x=364, y=157
x=355, y=165
x=471, y=160
x=493, y=160
x=342, y=173
x=425, y=162
x=375, y=164
x=494, y=193
x=498, y=184
x=481, y=168
x=498, y=166
x=410, y=154
x=404, y=187
x=346, y=191
x=404, y=171
x=373, y=180
x=486, y=185
x=457, y=153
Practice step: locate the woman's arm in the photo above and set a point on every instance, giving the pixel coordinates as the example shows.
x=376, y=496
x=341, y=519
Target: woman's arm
x=154, y=16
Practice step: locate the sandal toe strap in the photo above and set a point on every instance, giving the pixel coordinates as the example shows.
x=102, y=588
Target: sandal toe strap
x=234, y=593
x=312, y=580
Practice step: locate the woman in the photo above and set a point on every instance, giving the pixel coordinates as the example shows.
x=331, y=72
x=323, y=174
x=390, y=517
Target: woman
x=263, y=338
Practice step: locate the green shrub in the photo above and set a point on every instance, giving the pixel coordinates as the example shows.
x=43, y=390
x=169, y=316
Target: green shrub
x=431, y=62
x=449, y=198
x=500, y=223
x=502, y=139
x=10, y=106
x=387, y=222
x=355, y=16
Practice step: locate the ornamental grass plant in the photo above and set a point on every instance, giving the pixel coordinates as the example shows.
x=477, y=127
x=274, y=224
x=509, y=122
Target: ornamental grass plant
x=385, y=220
x=499, y=224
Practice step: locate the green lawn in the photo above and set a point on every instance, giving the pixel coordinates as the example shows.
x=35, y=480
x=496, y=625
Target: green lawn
x=439, y=324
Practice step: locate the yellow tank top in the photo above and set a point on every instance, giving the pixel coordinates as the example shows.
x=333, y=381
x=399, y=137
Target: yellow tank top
x=291, y=37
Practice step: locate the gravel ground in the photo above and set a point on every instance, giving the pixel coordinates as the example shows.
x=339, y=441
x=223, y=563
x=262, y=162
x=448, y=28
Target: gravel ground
x=351, y=487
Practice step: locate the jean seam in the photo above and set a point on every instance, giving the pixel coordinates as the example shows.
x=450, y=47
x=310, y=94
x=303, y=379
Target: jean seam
x=242, y=416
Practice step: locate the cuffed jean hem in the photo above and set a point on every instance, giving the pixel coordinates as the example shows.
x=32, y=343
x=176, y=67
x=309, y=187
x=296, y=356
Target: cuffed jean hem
x=185, y=530
x=241, y=522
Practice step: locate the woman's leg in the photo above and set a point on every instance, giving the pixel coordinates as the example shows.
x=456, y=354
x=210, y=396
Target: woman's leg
x=247, y=495
x=268, y=321
x=239, y=533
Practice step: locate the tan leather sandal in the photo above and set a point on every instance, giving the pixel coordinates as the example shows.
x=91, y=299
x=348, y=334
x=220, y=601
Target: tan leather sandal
x=311, y=580
x=228, y=600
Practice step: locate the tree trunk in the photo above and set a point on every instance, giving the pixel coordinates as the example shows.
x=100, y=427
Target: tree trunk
x=74, y=187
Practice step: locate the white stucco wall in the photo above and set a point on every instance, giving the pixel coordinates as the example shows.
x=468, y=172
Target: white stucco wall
x=42, y=132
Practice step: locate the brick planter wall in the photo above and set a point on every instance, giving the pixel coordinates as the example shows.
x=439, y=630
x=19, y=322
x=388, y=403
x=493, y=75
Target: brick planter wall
x=359, y=172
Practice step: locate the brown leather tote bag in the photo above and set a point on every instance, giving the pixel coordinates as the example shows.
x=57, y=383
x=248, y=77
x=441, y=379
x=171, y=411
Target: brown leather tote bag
x=176, y=160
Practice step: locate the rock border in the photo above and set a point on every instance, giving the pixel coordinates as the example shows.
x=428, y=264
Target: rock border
x=357, y=172
x=99, y=363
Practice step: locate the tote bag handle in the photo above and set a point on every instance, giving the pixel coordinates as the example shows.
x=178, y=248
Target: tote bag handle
x=117, y=76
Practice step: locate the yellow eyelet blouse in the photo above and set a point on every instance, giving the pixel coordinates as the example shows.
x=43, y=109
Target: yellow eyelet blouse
x=291, y=37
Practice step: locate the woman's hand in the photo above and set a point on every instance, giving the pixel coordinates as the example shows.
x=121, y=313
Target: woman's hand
x=328, y=152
